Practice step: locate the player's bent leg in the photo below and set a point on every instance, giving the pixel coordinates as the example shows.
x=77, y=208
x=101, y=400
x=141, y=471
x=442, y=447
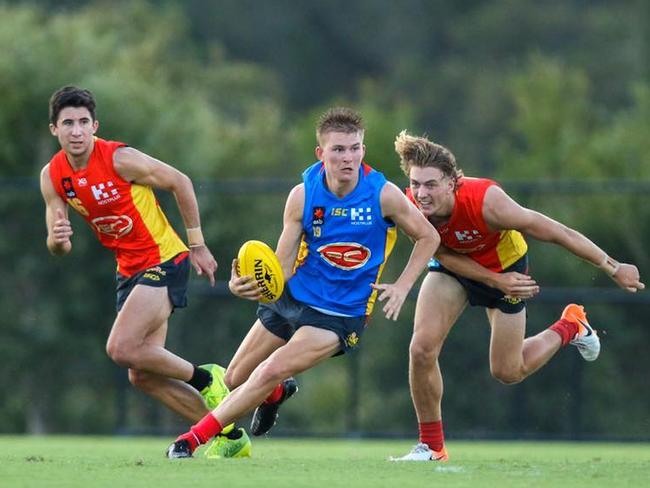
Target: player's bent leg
x=308, y=347
x=143, y=314
x=266, y=414
x=184, y=399
x=257, y=346
x=513, y=359
x=506, y=345
x=175, y=394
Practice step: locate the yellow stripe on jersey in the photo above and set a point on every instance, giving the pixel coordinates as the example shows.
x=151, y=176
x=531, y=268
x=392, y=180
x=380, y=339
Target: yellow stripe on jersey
x=169, y=244
x=303, y=251
x=391, y=238
x=511, y=247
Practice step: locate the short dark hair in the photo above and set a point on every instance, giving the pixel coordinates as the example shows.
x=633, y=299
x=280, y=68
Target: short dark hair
x=339, y=119
x=71, y=96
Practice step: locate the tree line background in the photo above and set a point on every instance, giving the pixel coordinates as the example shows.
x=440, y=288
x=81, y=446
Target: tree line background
x=550, y=98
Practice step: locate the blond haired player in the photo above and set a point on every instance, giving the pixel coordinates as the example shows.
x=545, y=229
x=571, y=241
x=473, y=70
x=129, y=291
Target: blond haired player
x=483, y=260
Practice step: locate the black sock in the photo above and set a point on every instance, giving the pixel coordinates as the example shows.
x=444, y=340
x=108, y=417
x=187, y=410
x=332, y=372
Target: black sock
x=200, y=379
x=234, y=434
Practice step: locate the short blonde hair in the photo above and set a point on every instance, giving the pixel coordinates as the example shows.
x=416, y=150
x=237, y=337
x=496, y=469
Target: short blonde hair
x=421, y=152
x=339, y=119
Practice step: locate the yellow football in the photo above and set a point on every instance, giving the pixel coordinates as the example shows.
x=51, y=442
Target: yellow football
x=258, y=260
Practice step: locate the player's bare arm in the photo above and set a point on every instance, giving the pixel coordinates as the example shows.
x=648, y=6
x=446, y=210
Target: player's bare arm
x=408, y=218
x=140, y=168
x=59, y=229
x=502, y=212
x=286, y=251
x=512, y=284
x=289, y=241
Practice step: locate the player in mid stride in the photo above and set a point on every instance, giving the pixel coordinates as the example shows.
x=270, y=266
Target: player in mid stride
x=111, y=186
x=483, y=260
x=339, y=228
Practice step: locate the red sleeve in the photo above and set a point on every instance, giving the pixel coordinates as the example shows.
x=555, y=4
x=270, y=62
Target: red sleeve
x=409, y=195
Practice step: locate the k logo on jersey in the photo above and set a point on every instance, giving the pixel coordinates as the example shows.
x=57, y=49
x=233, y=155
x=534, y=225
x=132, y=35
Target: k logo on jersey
x=105, y=193
x=345, y=255
x=361, y=216
x=467, y=235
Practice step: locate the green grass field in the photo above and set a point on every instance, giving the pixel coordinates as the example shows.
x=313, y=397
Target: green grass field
x=123, y=462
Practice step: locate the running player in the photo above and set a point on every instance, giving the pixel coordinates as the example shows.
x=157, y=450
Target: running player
x=483, y=260
x=111, y=186
x=339, y=228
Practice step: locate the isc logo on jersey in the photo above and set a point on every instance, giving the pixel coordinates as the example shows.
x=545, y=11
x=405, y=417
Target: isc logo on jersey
x=345, y=255
x=358, y=216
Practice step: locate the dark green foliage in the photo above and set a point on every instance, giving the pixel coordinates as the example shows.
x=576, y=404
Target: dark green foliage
x=551, y=98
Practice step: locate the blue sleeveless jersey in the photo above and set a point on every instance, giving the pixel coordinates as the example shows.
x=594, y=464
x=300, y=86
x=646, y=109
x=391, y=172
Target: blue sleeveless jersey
x=345, y=244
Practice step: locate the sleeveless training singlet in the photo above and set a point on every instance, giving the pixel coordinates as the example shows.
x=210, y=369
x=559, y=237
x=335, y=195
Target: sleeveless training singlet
x=345, y=244
x=125, y=217
x=466, y=231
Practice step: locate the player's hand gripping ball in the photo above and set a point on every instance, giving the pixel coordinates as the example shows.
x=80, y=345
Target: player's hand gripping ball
x=258, y=260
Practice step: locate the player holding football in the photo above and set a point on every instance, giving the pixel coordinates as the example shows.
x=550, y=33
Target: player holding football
x=111, y=186
x=483, y=260
x=339, y=228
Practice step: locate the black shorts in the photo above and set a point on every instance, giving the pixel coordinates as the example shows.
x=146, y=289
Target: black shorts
x=284, y=317
x=174, y=274
x=481, y=295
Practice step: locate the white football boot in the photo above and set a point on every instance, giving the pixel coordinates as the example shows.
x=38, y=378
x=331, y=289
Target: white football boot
x=422, y=452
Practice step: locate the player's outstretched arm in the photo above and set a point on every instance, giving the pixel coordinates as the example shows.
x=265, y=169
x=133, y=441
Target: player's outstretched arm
x=512, y=284
x=502, y=212
x=59, y=229
x=140, y=168
x=396, y=207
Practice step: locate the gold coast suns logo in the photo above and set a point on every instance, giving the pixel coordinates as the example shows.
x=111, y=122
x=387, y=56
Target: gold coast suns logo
x=345, y=255
x=352, y=339
x=113, y=225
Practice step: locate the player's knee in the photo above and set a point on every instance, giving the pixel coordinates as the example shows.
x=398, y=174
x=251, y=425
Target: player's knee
x=140, y=379
x=233, y=377
x=507, y=376
x=422, y=353
x=273, y=371
x=120, y=353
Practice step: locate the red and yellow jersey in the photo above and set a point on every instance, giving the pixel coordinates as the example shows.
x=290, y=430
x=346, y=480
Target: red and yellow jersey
x=467, y=233
x=126, y=217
